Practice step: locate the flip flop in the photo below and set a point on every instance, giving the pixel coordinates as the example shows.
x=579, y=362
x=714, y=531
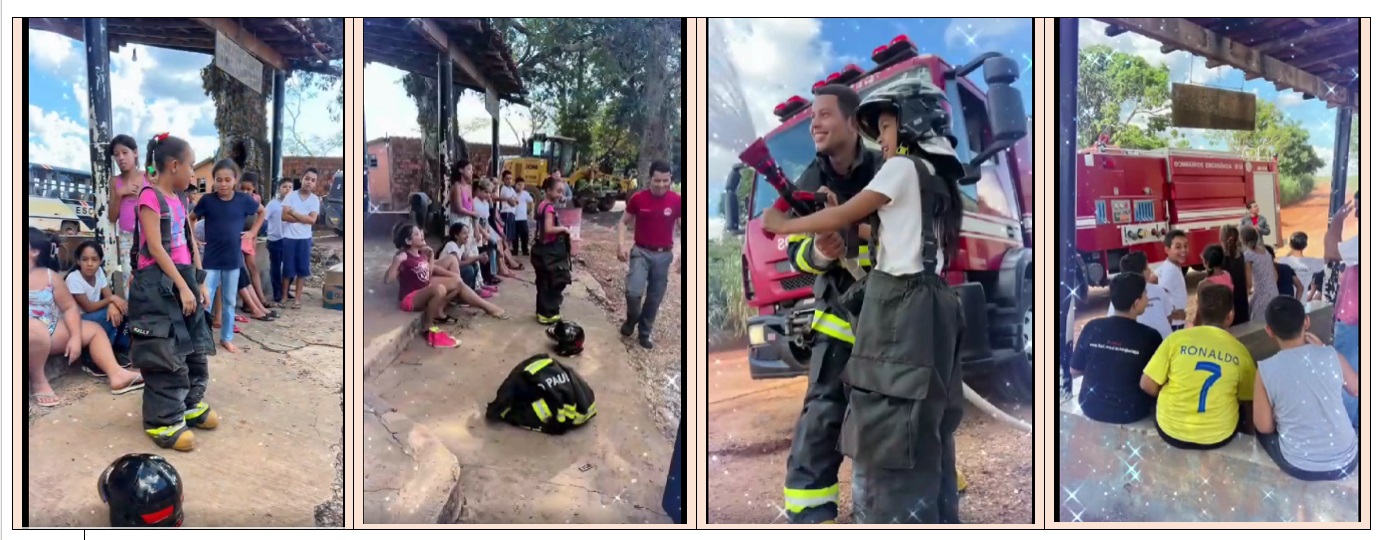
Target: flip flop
x=295, y=305
x=503, y=316
x=54, y=403
x=446, y=320
x=267, y=318
x=137, y=384
x=241, y=318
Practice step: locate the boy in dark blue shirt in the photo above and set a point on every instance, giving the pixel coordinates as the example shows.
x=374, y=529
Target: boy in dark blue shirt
x=224, y=213
x=1111, y=355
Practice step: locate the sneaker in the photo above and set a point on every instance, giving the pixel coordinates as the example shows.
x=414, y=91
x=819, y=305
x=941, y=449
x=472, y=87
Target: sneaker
x=441, y=340
x=627, y=328
x=645, y=342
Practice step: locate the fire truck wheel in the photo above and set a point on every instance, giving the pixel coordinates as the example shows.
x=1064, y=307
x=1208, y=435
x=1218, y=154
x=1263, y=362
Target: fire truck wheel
x=1018, y=382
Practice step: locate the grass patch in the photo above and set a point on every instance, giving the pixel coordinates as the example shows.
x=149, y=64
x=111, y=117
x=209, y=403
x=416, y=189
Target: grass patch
x=728, y=310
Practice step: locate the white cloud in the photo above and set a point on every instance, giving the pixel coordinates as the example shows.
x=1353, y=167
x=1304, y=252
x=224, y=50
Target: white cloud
x=56, y=140
x=51, y=50
x=980, y=33
x=388, y=111
x=174, y=103
x=764, y=61
x=1289, y=99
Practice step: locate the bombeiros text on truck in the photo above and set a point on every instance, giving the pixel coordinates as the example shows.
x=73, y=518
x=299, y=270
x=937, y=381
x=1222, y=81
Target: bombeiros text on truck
x=994, y=270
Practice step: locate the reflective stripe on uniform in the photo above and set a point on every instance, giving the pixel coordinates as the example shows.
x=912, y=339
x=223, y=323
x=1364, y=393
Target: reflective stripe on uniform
x=802, y=253
x=833, y=326
x=798, y=500
x=534, y=367
x=543, y=412
x=864, y=257
x=569, y=412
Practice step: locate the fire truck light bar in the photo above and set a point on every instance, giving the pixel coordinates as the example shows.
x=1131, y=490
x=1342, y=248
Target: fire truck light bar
x=790, y=107
x=899, y=48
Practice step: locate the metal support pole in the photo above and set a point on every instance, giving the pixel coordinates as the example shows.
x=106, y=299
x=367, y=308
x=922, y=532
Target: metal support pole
x=275, y=168
x=495, y=154
x=1341, y=152
x=98, y=103
x=441, y=61
x=1067, y=89
x=367, y=163
x=453, y=151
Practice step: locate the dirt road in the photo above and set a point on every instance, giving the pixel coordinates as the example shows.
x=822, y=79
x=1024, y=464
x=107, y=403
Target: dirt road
x=751, y=424
x=269, y=464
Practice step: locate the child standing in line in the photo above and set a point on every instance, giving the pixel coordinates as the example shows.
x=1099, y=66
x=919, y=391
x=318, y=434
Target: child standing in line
x=273, y=220
x=300, y=210
x=124, y=194
x=520, y=218
x=249, y=184
x=551, y=254
x=170, y=336
x=225, y=212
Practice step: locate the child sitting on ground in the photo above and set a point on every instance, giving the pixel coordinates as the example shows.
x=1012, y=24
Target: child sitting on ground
x=91, y=289
x=418, y=290
x=1203, y=378
x=461, y=255
x=1299, y=417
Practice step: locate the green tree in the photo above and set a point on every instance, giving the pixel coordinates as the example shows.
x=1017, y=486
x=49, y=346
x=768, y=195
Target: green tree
x=1275, y=135
x=1116, y=89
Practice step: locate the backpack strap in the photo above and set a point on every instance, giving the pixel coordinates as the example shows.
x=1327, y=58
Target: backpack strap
x=141, y=248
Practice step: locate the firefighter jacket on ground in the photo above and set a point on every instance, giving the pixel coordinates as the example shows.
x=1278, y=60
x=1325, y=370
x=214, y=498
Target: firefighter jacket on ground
x=832, y=279
x=542, y=394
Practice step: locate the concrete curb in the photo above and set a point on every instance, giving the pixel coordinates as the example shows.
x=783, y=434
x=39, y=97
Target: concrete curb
x=382, y=351
x=431, y=492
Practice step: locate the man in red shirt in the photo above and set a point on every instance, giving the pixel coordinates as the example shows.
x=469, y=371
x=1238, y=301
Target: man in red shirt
x=1255, y=219
x=655, y=215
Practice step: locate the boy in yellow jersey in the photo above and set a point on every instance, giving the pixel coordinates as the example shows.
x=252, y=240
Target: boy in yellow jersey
x=1204, y=378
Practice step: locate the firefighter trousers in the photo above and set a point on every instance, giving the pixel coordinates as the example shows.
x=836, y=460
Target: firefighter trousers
x=812, y=470
x=905, y=401
x=172, y=384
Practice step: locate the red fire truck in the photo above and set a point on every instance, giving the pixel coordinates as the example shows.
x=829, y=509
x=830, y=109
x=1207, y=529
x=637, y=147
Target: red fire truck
x=994, y=269
x=1129, y=199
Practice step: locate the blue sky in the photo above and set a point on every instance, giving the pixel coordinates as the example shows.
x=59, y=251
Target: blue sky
x=1185, y=68
x=777, y=58
x=152, y=90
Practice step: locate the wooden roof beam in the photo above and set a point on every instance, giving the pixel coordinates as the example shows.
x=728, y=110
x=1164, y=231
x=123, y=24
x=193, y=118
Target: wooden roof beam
x=243, y=38
x=433, y=33
x=1302, y=36
x=1200, y=41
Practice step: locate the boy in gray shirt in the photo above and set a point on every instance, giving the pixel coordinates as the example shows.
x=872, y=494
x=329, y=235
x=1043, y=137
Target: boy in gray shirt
x=1298, y=412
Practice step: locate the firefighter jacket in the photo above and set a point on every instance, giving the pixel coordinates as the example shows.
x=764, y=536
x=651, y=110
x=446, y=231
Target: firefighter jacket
x=832, y=279
x=542, y=394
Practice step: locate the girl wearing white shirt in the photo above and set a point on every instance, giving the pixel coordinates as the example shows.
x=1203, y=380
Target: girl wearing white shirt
x=91, y=289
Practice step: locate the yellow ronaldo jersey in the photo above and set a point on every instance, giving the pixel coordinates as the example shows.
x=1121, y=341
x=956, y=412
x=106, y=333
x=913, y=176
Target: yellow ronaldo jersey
x=1204, y=374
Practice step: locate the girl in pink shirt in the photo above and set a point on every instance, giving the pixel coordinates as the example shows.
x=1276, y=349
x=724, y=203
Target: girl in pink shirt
x=124, y=194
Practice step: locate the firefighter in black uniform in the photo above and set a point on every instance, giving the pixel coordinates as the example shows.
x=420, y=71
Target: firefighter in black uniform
x=843, y=167
x=905, y=385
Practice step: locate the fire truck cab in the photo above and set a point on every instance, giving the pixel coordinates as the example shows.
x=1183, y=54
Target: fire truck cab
x=1128, y=200
x=994, y=269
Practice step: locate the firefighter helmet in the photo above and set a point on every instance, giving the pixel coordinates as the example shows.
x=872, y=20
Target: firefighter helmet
x=919, y=109
x=142, y=490
x=569, y=338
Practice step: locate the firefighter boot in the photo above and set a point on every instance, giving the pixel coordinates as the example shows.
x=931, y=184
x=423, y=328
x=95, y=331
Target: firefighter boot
x=176, y=437
x=634, y=313
x=203, y=417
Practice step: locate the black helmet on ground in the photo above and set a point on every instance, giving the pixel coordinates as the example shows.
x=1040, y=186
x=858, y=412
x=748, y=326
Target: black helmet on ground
x=569, y=338
x=142, y=490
